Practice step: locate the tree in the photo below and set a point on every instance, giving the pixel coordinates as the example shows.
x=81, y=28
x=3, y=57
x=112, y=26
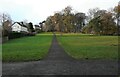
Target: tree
x=117, y=11
x=30, y=27
x=109, y=24
x=60, y=21
x=95, y=23
x=4, y=17
x=103, y=23
x=5, y=21
x=57, y=19
x=7, y=27
x=79, y=21
x=68, y=22
x=67, y=10
x=68, y=19
x=49, y=25
x=91, y=13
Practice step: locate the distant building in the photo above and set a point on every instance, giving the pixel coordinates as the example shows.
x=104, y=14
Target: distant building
x=37, y=28
x=19, y=27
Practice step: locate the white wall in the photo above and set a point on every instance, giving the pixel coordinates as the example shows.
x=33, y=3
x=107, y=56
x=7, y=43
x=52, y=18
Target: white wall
x=17, y=28
x=24, y=29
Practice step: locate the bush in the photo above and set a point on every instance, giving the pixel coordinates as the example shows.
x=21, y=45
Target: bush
x=31, y=34
x=13, y=35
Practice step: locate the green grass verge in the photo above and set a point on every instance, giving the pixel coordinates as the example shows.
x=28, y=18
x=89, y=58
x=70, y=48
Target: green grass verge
x=0, y=52
x=84, y=46
x=26, y=48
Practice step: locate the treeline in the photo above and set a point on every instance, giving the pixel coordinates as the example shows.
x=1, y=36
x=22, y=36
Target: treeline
x=65, y=21
x=102, y=22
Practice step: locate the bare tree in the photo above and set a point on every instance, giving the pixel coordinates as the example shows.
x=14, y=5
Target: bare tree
x=67, y=10
x=4, y=17
x=91, y=13
x=79, y=21
x=117, y=11
x=5, y=22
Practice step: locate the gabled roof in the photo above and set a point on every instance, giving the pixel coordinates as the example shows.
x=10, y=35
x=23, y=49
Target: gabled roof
x=36, y=25
x=20, y=23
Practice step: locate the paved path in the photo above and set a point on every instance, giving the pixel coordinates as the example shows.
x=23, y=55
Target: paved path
x=59, y=63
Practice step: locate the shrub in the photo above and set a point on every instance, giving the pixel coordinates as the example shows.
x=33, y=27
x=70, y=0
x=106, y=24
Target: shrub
x=13, y=35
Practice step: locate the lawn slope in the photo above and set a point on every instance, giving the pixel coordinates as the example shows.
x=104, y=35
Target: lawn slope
x=82, y=46
x=26, y=48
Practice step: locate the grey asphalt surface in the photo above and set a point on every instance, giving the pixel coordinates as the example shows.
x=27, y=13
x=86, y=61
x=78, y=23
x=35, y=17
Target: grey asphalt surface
x=59, y=63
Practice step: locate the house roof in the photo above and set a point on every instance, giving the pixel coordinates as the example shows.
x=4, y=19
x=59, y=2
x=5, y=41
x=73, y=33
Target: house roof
x=36, y=25
x=20, y=23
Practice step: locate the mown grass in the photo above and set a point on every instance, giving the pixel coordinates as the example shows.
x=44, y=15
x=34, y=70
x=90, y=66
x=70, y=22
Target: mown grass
x=82, y=46
x=0, y=52
x=26, y=48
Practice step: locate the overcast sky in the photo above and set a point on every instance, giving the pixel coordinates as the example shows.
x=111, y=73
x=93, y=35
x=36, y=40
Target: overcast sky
x=38, y=10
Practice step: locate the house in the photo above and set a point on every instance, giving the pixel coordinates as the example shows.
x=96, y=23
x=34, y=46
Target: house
x=37, y=28
x=19, y=27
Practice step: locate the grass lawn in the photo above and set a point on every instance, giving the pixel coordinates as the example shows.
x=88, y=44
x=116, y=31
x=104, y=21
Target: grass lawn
x=26, y=48
x=83, y=46
x=0, y=52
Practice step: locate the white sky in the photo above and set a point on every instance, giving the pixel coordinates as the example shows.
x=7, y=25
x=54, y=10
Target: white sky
x=38, y=10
